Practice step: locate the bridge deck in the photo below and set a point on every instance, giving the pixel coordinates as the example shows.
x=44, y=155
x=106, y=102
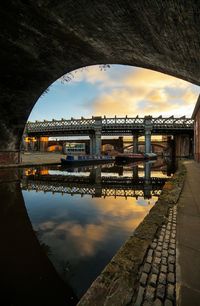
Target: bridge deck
x=110, y=126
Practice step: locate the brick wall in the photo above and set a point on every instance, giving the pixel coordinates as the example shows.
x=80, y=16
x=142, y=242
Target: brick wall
x=9, y=157
x=197, y=136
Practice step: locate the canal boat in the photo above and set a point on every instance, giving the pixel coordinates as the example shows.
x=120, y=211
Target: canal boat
x=130, y=158
x=72, y=160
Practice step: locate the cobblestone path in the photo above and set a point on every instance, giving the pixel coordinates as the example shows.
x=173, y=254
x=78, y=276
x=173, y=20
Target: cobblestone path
x=158, y=273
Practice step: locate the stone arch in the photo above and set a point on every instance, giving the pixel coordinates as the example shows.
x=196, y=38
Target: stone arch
x=44, y=40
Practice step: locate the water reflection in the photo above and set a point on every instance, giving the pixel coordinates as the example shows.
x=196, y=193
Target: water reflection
x=84, y=215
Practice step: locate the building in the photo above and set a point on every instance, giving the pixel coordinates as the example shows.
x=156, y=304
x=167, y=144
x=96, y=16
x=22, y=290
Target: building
x=196, y=117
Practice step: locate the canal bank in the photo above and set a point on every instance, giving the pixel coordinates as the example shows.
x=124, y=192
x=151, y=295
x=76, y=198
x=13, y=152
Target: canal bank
x=139, y=274
x=36, y=159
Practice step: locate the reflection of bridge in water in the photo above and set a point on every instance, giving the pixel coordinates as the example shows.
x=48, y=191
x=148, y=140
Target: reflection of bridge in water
x=97, y=185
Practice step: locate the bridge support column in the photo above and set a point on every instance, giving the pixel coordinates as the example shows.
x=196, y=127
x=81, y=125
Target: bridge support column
x=97, y=143
x=135, y=143
x=148, y=129
x=43, y=144
x=91, y=144
x=95, y=175
x=135, y=172
x=147, y=180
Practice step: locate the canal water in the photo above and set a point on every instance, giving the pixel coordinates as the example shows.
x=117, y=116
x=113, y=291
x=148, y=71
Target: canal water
x=82, y=216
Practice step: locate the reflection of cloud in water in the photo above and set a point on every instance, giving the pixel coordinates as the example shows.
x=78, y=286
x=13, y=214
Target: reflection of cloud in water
x=114, y=218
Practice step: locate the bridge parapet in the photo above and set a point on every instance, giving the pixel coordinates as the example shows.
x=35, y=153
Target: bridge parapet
x=109, y=125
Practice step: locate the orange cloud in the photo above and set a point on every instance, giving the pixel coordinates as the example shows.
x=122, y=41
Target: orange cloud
x=145, y=92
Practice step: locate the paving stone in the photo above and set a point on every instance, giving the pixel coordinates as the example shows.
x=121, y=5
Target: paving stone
x=171, y=267
x=139, y=296
x=159, y=249
x=149, y=259
x=171, y=277
x=161, y=238
x=143, y=279
x=166, y=236
x=165, y=246
x=157, y=302
x=171, y=252
x=155, y=269
x=163, y=268
x=165, y=253
x=172, y=246
x=153, y=280
x=160, y=293
x=162, y=278
x=150, y=293
x=153, y=245
x=168, y=303
x=173, y=240
x=157, y=254
x=171, y=259
x=164, y=261
x=171, y=292
x=160, y=244
x=150, y=252
x=157, y=260
x=147, y=267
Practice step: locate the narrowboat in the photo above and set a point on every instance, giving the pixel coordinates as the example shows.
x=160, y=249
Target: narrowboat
x=72, y=160
x=130, y=158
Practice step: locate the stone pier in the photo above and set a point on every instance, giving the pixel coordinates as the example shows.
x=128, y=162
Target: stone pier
x=135, y=143
x=147, y=131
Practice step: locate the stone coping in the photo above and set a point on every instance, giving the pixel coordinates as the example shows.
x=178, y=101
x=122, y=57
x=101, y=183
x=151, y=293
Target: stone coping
x=119, y=281
x=24, y=165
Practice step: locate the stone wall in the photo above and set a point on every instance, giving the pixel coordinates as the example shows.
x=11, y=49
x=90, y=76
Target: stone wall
x=197, y=136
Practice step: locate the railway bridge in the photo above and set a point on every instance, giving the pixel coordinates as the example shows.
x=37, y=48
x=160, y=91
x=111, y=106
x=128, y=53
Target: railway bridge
x=96, y=127
x=96, y=184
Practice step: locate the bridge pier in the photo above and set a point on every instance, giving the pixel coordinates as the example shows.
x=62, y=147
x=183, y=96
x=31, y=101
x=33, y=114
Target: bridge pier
x=135, y=143
x=43, y=144
x=135, y=172
x=147, y=130
x=97, y=143
x=147, y=180
x=91, y=144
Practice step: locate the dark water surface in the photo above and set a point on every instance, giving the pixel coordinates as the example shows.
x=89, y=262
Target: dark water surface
x=82, y=216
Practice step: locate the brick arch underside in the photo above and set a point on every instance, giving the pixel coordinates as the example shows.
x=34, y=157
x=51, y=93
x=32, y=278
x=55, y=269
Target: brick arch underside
x=42, y=40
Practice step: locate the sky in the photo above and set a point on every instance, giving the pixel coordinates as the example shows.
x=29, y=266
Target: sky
x=119, y=90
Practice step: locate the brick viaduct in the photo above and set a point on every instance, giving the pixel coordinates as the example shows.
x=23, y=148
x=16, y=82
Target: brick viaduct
x=43, y=40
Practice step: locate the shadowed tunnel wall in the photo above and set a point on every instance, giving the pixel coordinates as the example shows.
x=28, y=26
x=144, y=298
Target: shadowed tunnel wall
x=42, y=40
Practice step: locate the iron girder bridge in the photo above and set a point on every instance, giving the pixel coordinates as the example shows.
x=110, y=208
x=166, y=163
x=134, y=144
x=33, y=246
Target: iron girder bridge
x=106, y=187
x=110, y=126
x=83, y=189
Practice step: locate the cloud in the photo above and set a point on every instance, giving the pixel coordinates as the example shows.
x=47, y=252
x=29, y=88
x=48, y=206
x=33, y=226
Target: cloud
x=145, y=92
x=85, y=239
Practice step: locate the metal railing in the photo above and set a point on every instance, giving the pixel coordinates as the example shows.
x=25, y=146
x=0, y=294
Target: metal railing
x=109, y=124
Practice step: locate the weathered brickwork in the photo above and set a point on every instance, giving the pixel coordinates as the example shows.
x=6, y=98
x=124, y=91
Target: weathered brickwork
x=9, y=157
x=42, y=40
x=157, y=276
